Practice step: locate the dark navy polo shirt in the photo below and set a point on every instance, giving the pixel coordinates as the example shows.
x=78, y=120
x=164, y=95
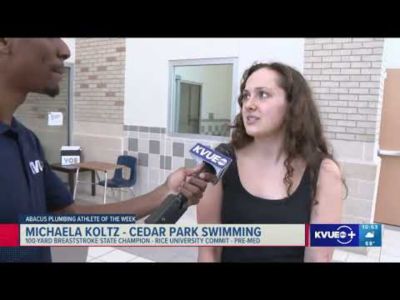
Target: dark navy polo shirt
x=27, y=186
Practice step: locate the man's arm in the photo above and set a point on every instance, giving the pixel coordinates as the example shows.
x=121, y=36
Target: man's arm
x=140, y=206
x=181, y=181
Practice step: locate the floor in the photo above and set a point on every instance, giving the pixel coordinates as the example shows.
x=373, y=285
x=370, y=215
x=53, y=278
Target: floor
x=389, y=252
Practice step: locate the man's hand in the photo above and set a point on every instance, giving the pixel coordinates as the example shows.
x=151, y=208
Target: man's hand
x=192, y=187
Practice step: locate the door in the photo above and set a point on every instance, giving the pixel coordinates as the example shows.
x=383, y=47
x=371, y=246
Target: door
x=189, y=109
x=387, y=209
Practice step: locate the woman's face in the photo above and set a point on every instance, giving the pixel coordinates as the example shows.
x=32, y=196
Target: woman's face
x=264, y=104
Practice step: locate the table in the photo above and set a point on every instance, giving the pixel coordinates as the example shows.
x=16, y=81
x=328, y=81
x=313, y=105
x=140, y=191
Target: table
x=71, y=171
x=96, y=166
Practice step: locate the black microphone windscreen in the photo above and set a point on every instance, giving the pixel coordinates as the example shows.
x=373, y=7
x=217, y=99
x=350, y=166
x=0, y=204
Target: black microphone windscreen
x=225, y=149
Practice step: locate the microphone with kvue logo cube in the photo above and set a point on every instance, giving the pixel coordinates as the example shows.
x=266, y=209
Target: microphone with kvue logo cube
x=216, y=161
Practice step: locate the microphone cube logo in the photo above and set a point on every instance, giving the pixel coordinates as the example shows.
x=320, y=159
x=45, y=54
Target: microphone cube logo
x=217, y=160
x=334, y=235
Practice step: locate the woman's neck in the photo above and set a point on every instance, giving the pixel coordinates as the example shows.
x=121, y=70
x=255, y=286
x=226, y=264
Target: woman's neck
x=268, y=149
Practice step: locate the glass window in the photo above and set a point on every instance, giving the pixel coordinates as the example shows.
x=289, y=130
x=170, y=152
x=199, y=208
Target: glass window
x=202, y=97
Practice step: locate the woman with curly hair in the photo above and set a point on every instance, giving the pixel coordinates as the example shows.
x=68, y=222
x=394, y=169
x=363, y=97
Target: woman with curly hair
x=283, y=171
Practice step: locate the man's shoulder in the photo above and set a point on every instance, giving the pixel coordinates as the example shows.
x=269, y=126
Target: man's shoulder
x=25, y=130
x=21, y=126
x=28, y=135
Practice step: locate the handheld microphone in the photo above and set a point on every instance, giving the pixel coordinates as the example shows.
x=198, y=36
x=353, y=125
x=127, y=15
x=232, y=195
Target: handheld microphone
x=215, y=162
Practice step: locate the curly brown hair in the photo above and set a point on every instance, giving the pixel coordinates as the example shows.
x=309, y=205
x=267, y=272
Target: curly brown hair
x=303, y=135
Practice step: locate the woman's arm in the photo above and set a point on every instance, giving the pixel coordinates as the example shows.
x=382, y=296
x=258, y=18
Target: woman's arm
x=329, y=207
x=209, y=212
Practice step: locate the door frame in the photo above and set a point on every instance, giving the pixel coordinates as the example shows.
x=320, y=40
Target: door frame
x=381, y=153
x=70, y=101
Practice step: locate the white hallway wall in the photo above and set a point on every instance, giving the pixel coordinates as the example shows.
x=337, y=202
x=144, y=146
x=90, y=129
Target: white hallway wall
x=391, y=53
x=147, y=82
x=146, y=73
x=71, y=45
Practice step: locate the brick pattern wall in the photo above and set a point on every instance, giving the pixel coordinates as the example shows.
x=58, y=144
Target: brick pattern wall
x=345, y=74
x=37, y=106
x=99, y=80
x=34, y=115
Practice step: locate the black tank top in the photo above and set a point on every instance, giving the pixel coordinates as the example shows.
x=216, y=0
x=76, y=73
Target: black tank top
x=240, y=207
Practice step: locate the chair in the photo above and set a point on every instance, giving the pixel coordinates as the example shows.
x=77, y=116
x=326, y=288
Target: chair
x=118, y=182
